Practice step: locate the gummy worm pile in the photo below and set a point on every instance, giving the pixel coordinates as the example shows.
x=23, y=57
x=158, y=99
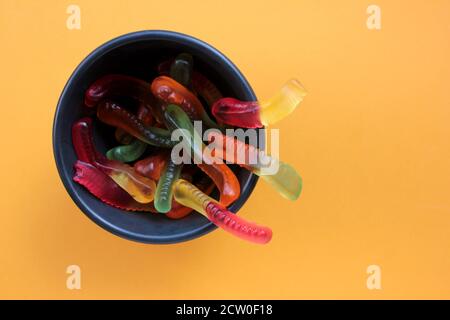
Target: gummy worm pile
x=139, y=174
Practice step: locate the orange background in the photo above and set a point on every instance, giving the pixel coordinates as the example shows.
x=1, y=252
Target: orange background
x=371, y=140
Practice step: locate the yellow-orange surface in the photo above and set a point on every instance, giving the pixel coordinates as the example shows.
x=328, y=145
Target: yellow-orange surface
x=371, y=141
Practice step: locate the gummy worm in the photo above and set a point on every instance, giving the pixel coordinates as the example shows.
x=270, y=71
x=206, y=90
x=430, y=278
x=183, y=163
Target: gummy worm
x=164, y=192
x=152, y=166
x=104, y=188
x=200, y=84
x=220, y=173
x=205, y=88
x=114, y=115
x=252, y=114
x=181, y=69
x=190, y=196
x=135, y=148
x=127, y=153
x=171, y=92
x=114, y=85
x=139, y=187
x=122, y=136
x=286, y=180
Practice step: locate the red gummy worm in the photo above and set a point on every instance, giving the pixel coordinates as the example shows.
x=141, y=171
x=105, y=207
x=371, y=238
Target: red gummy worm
x=86, y=152
x=114, y=85
x=244, y=114
x=205, y=88
x=118, y=85
x=104, y=188
x=82, y=142
x=241, y=228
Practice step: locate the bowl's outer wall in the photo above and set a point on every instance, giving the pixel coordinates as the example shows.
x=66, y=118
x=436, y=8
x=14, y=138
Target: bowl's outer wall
x=136, y=54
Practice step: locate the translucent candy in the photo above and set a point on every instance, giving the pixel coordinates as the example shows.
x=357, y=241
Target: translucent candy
x=152, y=166
x=181, y=69
x=190, y=196
x=286, y=180
x=171, y=92
x=145, y=116
x=178, y=211
x=205, y=88
x=140, y=188
x=252, y=114
x=127, y=153
x=122, y=136
x=220, y=173
x=244, y=114
x=104, y=188
x=164, y=194
x=113, y=85
x=134, y=149
x=113, y=114
x=200, y=84
x=118, y=85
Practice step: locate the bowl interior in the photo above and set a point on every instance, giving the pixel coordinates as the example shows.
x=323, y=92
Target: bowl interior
x=137, y=55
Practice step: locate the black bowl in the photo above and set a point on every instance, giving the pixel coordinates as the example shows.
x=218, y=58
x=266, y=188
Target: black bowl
x=136, y=54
